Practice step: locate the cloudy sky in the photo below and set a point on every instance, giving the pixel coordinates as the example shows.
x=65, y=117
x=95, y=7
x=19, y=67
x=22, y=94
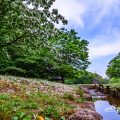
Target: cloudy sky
x=97, y=21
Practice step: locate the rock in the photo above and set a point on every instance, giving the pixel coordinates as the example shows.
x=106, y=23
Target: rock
x=88, y=105
x=88, y=97
x=10, y=91
x=85, y=89
x=85, y=115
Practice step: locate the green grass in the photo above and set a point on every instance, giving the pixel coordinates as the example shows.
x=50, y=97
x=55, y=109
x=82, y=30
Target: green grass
x=80, y=92
x=81, y=100
x=113, y=85
x=68, y=96
x=52, y=106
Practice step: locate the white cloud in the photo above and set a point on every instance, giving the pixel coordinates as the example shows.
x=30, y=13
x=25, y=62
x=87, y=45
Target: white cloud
x=104, y=50
x=88, y=16
x=104, y=45
x=76, y=10
x=72, y=10
x=102, y=8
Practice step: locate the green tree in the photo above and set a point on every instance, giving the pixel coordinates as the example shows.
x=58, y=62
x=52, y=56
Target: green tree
x=71, y=53
x=25, y=26
x=24, y=20
x=31, y=46
x=113, y=70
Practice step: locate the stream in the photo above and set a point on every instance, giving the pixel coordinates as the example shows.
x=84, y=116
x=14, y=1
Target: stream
x=108, y=107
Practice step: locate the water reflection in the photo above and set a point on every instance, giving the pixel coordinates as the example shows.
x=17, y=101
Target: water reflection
x=113, y=101
x=108, y=112
x=107, y=106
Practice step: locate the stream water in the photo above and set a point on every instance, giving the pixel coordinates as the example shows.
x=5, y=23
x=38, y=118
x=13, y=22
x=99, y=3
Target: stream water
x=107, y=106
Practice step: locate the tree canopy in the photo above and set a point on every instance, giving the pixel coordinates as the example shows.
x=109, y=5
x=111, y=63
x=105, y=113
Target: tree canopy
x=113, y=70
x=27, y=20
x=31, y=45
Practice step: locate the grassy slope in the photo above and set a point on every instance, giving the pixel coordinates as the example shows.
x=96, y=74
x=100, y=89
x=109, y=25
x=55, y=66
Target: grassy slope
x=115, y=85
x=23, y=97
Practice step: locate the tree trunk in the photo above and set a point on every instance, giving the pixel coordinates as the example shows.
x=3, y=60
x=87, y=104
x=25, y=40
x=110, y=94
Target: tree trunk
x=63, y=79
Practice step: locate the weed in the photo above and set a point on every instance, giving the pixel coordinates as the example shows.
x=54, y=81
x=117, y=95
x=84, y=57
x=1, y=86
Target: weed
x=68, y=96
x=80, y=92
x=80, y=100
x=30, y=105
x=51, y=111
x=4, y=97
x=95, y=99
x=22, y=116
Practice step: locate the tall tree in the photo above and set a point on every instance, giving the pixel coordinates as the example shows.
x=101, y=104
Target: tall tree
x=26, y=20
x=31, y=46
x=71, y=53
x=113, y=70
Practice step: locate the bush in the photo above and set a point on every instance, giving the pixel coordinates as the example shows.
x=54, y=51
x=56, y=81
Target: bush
x=34, y=67
x=13, y=71
x=115, y=80
x=5, y=63
x=26, y=63
x=31, y=73
x=104, y=81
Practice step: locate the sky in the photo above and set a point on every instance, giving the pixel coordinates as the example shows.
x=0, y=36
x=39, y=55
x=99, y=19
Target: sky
x=97, y=21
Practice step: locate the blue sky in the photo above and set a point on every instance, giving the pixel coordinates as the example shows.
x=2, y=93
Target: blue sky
x=97, y=21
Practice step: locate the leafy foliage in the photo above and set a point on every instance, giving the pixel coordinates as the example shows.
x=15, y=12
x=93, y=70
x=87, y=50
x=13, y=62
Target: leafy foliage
x=23, y=116
x=23, y=20
x=68, y=96
x=85, y=77
x=115, y=80
x=31, y=45
x=13, y=70
x=113, y=70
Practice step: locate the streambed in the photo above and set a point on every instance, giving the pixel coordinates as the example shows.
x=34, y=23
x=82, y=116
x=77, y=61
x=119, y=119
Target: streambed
x=108, y=107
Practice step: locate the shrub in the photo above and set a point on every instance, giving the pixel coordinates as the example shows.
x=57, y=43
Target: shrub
x=104, y=81
x=31, y=73
x=14, y=71
x=26, y=63
x=5, y=63
x=115, y=80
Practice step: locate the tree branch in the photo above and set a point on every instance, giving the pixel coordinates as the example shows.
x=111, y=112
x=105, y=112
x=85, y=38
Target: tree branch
x=10, y=43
